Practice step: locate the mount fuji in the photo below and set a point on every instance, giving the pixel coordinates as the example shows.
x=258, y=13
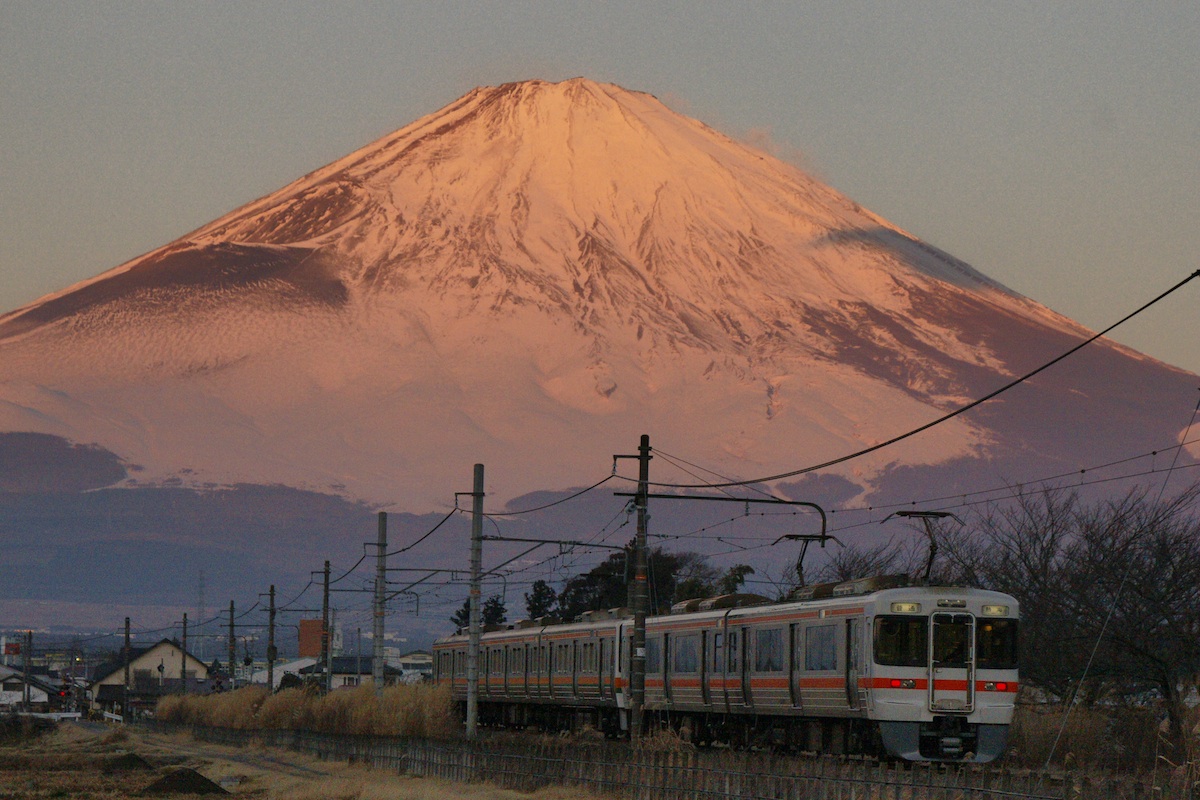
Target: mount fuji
x=532, y=277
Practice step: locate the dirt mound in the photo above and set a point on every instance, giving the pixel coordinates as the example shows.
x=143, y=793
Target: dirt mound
x=126, y=762
x=182, y=781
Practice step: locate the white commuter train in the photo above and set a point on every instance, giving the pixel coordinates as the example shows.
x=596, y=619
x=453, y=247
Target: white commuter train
x=921, y=673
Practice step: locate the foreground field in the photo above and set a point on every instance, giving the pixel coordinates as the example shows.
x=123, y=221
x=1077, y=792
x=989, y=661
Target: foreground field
x=93, y=762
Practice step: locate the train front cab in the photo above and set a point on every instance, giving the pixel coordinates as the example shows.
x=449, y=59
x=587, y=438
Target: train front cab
x=944, y=666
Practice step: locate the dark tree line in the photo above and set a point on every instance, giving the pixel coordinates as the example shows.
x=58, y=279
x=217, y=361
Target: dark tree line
x=672, y=577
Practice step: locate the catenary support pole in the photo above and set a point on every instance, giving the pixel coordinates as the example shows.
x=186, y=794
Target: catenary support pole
x=640, y=595
x=232, y=651
x=325, y=630
x=380, y=585
x=183, y=658
x=125, y=692
x=474, y=611
x=26, y=665
x=272, y=653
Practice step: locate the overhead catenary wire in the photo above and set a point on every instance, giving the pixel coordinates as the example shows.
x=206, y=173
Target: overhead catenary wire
x=558, y=502
x=944, y=418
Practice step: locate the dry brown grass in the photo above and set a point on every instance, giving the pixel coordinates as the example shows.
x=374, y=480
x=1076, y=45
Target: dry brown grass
x=420, y=710
x=1123, y=739
x=65, y=764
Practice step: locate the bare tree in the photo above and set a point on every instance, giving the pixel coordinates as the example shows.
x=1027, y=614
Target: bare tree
x=1109, y=593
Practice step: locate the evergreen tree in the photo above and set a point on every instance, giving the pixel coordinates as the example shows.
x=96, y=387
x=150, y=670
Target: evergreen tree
x=493, y=611
x=540, y=600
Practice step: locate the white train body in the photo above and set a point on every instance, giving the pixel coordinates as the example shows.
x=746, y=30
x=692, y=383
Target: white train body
x=914, y=672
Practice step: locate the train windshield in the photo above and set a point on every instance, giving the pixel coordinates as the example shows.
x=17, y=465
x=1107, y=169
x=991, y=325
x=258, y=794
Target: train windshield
x=996, y=644
x=901, y=641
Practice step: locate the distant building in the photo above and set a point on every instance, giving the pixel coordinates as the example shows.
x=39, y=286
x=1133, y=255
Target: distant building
x=153, y=671
x=282, y=668
x=348, y=672
x=415, y=665
x=310, y=638
x=43, y=693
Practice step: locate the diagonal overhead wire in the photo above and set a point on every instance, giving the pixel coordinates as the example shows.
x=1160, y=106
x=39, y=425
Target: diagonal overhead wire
x=939, y=420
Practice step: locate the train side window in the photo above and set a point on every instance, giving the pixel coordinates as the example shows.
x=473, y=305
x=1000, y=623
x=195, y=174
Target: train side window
x=996, y=644
x=901, y=641
x=734, y=662
x=768, y=650
x=687, y=656
x=717, y=653
x=653, y=655
x=820, y=648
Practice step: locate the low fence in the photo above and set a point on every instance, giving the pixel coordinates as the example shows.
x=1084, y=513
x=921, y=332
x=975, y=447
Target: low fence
x=619, y=771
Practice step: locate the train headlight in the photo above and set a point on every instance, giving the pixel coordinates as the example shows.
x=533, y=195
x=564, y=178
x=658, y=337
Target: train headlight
x=998, y=686
x=903, y=683
x=906, y=608
x=995, y=611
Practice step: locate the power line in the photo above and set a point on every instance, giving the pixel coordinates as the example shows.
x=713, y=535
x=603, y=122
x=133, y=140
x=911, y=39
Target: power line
x=567, y=499
x=939, y=420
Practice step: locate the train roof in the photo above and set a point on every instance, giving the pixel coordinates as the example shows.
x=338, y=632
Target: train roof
x=886, y=588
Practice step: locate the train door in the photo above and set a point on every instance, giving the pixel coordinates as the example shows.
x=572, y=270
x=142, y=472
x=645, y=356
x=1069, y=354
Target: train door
x=705, y=697
x=735, y=694
x=795, y=662
x=575, y=687
x=668, y=666
x=525, y=668
x=952, y=662
x=715, y=674
x=853, y=659
x=602, y=652
x=743, y=651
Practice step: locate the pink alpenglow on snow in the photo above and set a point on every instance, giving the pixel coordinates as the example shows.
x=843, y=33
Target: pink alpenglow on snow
x=531, y=278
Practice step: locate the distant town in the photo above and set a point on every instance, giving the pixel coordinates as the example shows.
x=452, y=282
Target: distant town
x=93, y=675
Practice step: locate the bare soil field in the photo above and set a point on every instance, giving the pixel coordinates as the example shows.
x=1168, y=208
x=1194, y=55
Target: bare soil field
x=96, y=762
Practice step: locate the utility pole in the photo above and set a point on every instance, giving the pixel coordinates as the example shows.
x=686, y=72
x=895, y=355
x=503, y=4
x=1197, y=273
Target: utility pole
x=325, y=628
x=329, y=653
x=26, y=665
x=271, y=651
x=232, y=651
x=183, y=658
x=380, y=586
x=473, y=617
x=640, y=595
x=125, y=693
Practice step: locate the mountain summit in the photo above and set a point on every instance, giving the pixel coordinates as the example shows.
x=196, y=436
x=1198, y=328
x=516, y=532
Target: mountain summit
x=530, y=278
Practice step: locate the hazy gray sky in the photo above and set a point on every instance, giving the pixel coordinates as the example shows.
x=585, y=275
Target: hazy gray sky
x=1053, y=145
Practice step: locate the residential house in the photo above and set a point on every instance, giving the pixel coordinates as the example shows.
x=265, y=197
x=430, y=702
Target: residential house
x=153, y=671
x=43, y=693
x=346, y=672
x=282, y=668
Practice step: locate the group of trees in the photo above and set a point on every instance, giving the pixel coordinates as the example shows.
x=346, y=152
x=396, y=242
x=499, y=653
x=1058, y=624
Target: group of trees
x=671, y=577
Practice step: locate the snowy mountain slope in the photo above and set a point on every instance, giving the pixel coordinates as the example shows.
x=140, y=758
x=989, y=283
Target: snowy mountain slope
x=533, y=276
